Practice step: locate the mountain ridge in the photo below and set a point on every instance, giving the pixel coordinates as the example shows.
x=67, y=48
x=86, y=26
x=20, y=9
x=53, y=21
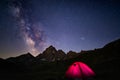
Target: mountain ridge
x=51, y=54
x=104, y=62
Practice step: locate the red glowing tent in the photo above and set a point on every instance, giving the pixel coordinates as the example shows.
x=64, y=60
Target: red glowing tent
x=79, y=70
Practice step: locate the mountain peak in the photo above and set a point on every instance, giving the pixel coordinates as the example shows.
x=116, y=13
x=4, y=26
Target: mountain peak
x=51, y=54
x=29, y=54
x=26, y=55
x=51, y=47
x=22, y=59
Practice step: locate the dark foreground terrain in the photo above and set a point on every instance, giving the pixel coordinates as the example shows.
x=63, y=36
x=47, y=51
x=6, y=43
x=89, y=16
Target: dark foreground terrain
x=104, y=61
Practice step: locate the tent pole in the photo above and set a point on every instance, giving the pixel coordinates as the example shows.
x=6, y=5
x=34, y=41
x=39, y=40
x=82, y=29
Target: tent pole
x=82, y=76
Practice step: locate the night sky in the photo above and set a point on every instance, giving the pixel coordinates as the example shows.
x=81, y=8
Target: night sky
x=33, y=25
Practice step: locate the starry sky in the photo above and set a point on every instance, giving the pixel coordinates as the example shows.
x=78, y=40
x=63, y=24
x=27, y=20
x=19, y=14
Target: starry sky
x=33, y=25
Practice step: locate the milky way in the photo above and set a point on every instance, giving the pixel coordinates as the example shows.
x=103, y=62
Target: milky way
x=30, y=29
x=33, y=25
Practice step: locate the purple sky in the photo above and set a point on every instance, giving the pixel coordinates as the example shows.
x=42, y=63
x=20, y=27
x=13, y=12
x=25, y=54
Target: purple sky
x=33, y=25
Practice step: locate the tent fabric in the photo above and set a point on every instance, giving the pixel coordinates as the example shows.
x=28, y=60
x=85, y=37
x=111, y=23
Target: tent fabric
x=79, y=70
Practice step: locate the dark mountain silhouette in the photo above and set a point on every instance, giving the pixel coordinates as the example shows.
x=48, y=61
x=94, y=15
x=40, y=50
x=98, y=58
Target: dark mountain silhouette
x=52, y=64
x=71, y=54
x=7, y=67
x=61, y=55
x=51, y=54
x=25, y=59
x=104, y=61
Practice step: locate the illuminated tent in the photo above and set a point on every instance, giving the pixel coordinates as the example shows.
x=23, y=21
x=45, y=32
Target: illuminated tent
x=79, y=70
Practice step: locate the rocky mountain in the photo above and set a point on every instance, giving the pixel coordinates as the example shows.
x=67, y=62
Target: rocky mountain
x=25, y=59
x=104, y=62
x=51, y=54
x=113, y=48
x=71, y=54
x=61, y=55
